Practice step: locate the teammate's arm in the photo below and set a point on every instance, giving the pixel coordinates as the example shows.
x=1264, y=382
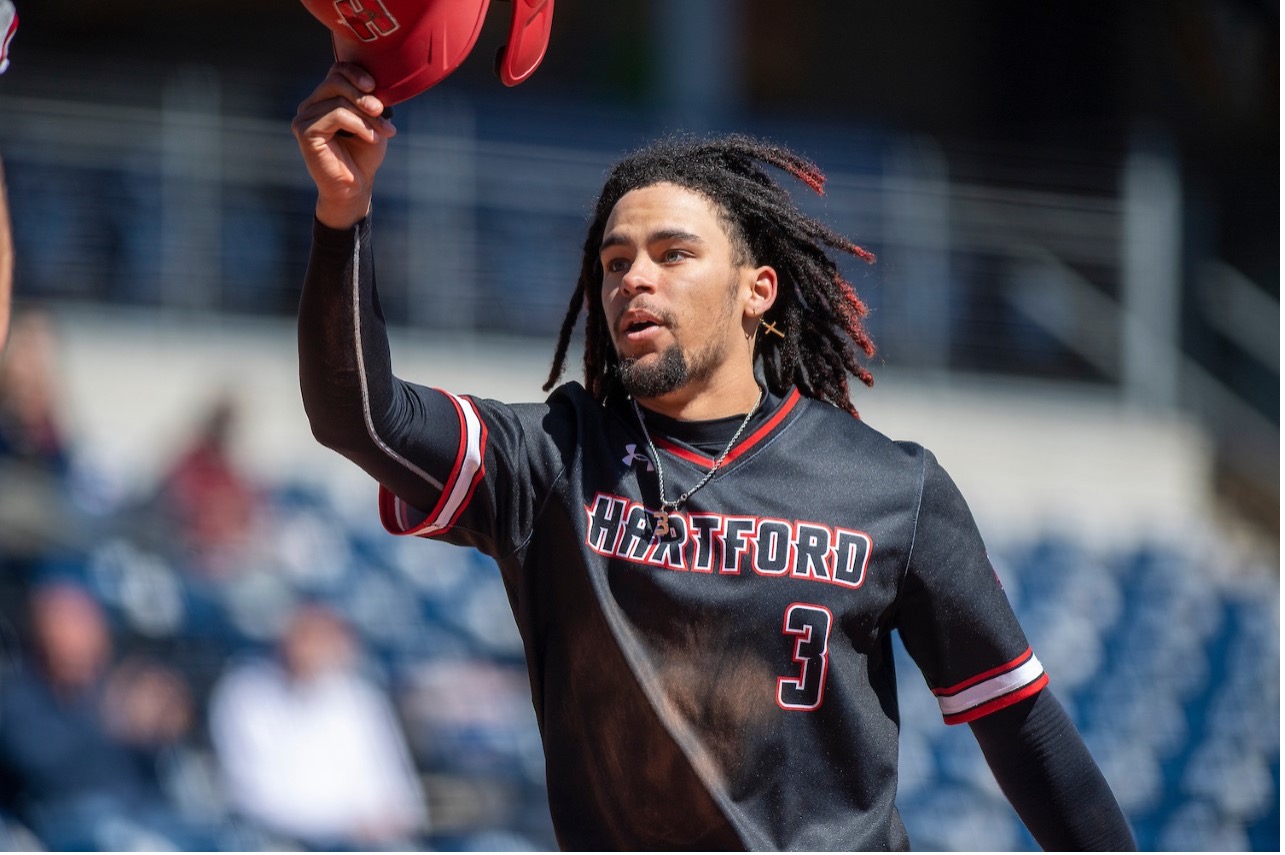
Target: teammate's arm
x=6, y=261
x=8, y=28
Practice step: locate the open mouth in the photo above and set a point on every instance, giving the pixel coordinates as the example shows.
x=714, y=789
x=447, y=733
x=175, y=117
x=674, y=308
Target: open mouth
x=638, y=323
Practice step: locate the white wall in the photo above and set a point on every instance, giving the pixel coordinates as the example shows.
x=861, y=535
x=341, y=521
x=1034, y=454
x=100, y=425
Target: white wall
x=1025, y=454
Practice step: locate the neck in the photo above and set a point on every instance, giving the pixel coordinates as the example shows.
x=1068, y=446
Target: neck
x=707, y=401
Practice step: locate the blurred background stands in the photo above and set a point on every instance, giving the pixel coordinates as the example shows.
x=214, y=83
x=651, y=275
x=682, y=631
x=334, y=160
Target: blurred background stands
x=1077, y=306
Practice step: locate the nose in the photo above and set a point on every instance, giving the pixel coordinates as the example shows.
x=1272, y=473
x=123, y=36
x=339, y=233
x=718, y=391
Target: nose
x=639, y=278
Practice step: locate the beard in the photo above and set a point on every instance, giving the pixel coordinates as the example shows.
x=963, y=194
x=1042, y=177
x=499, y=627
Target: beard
x=668, y=373
x=672, y=371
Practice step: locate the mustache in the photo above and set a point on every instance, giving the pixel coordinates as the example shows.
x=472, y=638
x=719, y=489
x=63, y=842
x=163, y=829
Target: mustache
x=664, y=315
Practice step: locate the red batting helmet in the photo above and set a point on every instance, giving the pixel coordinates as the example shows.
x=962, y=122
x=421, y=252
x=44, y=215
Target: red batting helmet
x=410, y=45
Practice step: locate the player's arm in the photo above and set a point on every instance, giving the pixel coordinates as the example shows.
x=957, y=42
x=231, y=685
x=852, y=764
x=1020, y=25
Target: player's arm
x=958, y=625
x=400, y=433
x=1048, y=775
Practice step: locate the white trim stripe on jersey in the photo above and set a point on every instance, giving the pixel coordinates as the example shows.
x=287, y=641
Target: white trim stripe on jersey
x=992, y=688
x=464, y=477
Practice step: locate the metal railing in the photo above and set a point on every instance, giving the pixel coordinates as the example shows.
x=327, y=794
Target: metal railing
x=187, y=204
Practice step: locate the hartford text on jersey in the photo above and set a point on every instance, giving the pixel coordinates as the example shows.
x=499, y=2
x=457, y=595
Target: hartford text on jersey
x=717, y=543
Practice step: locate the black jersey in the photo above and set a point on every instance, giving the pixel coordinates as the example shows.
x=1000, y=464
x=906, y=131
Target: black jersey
x=730, y=684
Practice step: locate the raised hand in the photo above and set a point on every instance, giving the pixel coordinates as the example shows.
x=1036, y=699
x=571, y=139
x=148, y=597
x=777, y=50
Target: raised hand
x=343, y=138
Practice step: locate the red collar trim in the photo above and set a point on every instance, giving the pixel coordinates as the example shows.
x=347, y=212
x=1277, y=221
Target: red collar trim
x=743, y=446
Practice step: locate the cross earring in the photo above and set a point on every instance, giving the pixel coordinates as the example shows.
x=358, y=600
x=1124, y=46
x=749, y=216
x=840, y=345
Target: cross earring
x=769, y=327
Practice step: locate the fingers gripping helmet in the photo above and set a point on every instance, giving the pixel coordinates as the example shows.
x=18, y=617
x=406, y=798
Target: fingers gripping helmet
x=409, y=46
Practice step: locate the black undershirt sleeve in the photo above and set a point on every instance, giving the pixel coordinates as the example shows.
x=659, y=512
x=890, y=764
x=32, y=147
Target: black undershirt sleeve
x=1048, y=775
x=402, y=434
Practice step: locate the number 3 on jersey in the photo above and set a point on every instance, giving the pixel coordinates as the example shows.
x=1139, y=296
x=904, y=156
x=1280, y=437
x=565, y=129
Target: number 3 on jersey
x=809, y=626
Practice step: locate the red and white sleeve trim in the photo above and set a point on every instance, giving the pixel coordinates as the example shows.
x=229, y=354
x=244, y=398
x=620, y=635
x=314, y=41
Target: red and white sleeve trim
x=8, y=26
x=992, y=690
x=466, y=474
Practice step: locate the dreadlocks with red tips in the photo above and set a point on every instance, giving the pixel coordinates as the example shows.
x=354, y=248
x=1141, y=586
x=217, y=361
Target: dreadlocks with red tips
x=820, y=313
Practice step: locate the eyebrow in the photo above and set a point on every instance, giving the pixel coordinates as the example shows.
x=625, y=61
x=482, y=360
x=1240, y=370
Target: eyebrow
x=617, y=239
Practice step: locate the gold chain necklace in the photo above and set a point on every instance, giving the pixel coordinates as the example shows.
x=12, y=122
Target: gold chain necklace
x=667, y=507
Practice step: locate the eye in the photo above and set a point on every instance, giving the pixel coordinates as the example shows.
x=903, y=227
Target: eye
x=671, y=256
x=615, y=265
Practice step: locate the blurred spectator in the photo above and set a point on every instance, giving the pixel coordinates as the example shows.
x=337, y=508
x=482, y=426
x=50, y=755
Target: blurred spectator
x=311, y=750
x=146, y=705
x=211, y=502
x=31, y=429
x=79, y=741
x=35, y=459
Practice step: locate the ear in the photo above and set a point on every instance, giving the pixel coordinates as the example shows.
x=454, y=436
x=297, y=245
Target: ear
x=762, y=292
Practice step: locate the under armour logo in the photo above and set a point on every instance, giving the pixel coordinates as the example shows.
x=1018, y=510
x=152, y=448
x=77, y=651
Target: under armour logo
x=633, y=456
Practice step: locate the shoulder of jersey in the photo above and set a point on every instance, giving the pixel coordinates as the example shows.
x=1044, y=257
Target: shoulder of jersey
x=832, y=421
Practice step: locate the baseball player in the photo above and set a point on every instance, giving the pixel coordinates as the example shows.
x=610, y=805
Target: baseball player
x=704, y=547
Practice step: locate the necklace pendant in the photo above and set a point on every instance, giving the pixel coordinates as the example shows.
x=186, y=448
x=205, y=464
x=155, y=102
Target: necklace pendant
x=662, y=523
x=663, y=527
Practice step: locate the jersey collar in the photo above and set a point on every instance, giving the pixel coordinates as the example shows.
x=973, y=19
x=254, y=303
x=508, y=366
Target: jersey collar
x=762, y=428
